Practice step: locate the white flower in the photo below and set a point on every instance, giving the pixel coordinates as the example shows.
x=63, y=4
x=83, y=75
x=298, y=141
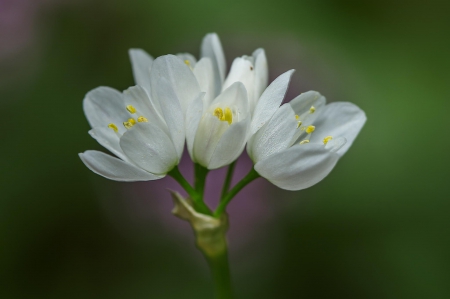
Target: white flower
x=144, y=126
x=216, y=134
x=297, y=145
x=217, y=126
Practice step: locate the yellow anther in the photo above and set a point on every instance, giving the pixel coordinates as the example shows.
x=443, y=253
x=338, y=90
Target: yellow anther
x=326, y=139
x=299, y=124
x=228, y=116
x=218, y=112
x=304, y=141
x=128, y=125
x=312, y=109
x=142, y=119
x=187, y=62
x=310, y=129
x=131, y=120
x=131, y=109
x=297, y=117
x=114, y=127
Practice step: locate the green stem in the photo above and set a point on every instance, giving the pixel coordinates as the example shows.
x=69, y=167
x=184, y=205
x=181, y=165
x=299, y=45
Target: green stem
x=221, y=275
x=197, y=198
x=252, y=175
x=226, y=184
x=200, y=174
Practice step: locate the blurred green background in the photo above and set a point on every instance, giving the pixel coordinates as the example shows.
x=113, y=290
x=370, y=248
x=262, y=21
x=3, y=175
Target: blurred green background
x=377, y=227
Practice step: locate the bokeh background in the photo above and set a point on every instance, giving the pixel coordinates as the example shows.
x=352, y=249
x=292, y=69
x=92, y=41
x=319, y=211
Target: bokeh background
x=377, y=227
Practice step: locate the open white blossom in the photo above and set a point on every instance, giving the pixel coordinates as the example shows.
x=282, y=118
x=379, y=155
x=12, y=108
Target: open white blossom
x=217, y=133
x=143, y=126
x=217, y=126
x=297, y=145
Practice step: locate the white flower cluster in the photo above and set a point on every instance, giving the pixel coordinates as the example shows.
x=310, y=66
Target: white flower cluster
x=178, y=99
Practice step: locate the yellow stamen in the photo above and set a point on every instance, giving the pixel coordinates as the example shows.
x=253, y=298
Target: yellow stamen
x=299, y=124
x=131, y=109
x=218, y=112
x=304, y=141
x=142, y=119
x=131, y=120
x=310, y=129
x=228, y=116
x=326, y=139
x=312, y=109
x=128, y=125
x=187, y=62
x=114, y=127
x=297, y=117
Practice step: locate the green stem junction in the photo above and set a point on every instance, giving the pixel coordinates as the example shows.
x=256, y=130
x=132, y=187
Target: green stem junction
x=212, y=242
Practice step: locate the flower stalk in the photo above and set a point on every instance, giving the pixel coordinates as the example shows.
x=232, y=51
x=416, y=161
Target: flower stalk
x=221, y=275
x=252, y=175
x=210, y=235
x=228, y=178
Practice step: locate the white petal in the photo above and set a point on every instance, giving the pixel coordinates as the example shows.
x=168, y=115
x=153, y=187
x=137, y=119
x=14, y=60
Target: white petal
x=189, y=57
x=115, y=169
x=104, y=105
x=270, y=100
x=303, y=102
x=173, y=86
x=208, y=135
x=110, y=140
x=231, y=144
x=275, y=136
x=212, y=48
x=242, y=70
x=204, y=73
x=149, y=148
x=261, y=72
x=139, y=99
x=193, y=116
x=299, y=167
x=234, y=96
x=170, y=73
x=141, y=63
x=339, y=119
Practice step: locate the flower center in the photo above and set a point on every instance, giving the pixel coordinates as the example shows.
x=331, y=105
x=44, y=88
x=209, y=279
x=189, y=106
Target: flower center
x=130, y=122
x=226, y=115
